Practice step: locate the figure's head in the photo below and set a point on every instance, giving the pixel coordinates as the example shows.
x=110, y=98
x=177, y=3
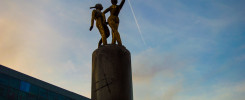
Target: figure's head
x=114, y=2
x=99, y=6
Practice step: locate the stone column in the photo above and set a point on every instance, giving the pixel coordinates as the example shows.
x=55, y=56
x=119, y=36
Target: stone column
x=111, y=73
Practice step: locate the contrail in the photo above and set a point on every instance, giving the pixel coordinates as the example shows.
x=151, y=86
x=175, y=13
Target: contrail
x=136, y=21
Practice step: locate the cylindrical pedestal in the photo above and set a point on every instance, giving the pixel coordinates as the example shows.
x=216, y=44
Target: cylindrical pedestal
x=111, y=73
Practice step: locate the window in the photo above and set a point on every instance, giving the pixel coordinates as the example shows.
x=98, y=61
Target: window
x=4, y=79
x=61, y=97
x=34, y=90
x=43, y=93
x=52, y=96
x=14, y=83
x=31, y=97
x=3, y=92
x=22, y=95
x=25, y=86
x=12, y=94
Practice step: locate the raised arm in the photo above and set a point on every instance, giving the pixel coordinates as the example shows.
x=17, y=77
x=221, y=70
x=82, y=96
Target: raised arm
x=92, y=20
x=121, y=4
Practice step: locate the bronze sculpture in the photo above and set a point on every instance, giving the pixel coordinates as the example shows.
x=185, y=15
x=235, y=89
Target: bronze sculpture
x=100, y=23
x=113, y=20
x=111, y=64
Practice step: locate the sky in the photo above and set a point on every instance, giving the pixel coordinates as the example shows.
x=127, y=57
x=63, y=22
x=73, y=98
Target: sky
x=181, y=50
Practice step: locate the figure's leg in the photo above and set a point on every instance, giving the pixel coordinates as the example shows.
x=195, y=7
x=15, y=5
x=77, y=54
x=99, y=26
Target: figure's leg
x=113, y=41
x=107, y=31
x=100, y=42
x=117, y=35
x=103, y=36
x=113, y=26
x=118, y=39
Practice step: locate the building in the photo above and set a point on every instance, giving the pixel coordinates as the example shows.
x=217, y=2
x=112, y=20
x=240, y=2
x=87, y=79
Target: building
x=18, y=86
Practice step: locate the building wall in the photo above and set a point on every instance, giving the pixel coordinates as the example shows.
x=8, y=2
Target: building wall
x=18, y=86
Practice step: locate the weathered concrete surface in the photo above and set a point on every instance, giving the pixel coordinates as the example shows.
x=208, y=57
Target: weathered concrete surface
x=111, y=73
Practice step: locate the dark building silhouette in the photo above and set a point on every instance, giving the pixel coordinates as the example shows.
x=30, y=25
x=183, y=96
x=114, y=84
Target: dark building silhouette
x=18, y=86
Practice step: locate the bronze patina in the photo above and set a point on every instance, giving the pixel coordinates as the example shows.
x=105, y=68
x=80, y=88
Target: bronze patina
x=100, y=23
x=113, y=20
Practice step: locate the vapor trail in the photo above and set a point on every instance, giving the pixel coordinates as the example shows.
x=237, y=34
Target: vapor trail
x=136, y=21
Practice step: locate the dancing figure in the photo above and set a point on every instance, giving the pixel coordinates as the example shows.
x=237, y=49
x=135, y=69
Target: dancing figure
x=113, y=20
x=100, y=23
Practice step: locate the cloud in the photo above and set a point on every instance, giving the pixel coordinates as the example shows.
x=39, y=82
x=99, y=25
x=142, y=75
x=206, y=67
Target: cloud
x=172, y=92
x=149, y=63
x=8, y=36
x=161, y=71
x=172, y=76
x=34, y=40
x=222, y=91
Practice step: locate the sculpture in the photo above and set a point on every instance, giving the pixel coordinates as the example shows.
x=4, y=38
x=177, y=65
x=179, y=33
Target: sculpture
x=100, y=23
x=113, y=20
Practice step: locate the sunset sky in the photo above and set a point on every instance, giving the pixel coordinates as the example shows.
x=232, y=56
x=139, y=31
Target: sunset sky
x=193, y=50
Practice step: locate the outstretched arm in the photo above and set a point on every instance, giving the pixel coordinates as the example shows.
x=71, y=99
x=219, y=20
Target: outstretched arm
x=92, y=20
x=121, y=4
x=107, y=10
